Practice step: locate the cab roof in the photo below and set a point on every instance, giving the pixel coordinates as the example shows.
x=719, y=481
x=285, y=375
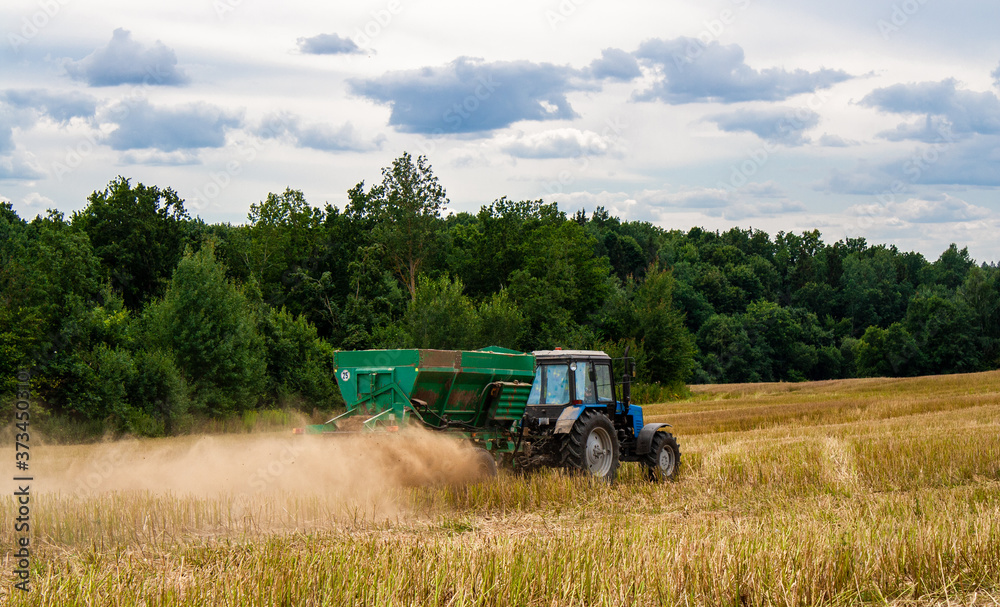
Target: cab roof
x=542, y=355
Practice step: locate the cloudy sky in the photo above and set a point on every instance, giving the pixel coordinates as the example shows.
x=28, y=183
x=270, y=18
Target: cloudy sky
x=874, y=118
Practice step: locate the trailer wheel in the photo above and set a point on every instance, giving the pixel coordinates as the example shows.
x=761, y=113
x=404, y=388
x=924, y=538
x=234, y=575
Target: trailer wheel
x=664, y=458
x=486, y=465
x=592, y=446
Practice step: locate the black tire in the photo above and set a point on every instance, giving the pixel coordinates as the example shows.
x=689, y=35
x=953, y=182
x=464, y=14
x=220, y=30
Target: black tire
x=664, y=458
x=592, y=446
x=486, y=465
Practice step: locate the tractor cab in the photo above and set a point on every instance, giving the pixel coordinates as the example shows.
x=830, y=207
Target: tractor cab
x=570, y=381
x=572, y=377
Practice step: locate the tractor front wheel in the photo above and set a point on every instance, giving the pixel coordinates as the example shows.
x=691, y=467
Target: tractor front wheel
x=592, y=446
x=664, y=458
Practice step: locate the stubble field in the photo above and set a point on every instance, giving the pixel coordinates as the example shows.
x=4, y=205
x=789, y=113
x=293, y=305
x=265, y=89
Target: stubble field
x=857, y=491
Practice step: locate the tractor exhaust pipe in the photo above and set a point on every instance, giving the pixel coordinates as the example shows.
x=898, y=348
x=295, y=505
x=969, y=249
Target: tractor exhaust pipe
x=627, y=379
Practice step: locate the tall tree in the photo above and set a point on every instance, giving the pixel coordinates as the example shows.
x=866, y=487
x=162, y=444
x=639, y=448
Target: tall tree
x=138, y=234
x=944, y=326
x=408, y=206
x=18, y=322
x=56, y=313
x=870, y=293
x=950, y=268
x=560, y=284
x=495, y=244
x=209, y=326
x=283, y=233
x=981, y=292
x=441, y=316
x=891, y=352
x=669, y=346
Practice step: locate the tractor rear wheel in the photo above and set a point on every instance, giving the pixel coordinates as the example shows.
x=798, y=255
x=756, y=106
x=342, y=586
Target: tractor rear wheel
x=664, y=458
x=486, y=465
x=592, y=446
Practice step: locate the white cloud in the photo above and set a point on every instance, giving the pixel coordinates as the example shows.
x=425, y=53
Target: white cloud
x=126, y=61
x=19, y=165
x=558, y=143
x=756, y=200
x=328, y=44
x=784, y=125
x=834, y=141
x=343, y=138
x=36, y=200
x=470, y=95
x=143, y=125
x=767, y=189
x=155, y=157
x=947, y=209
x=693, y=71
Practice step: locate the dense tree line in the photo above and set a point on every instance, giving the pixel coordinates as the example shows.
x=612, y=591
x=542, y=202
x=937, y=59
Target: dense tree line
x=132, y=312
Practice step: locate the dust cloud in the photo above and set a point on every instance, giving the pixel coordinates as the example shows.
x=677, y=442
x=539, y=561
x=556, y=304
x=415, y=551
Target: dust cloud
x=351, y=467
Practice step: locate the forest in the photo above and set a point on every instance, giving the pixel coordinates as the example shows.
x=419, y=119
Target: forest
x=135, y=317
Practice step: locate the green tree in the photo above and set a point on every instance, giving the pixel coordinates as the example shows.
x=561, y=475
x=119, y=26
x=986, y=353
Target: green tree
x=981, y=293
x=560, y=284
x=139, y=235
x=208, y=325
x=347, y=288
x=282, y=235
x=624, y=254
x=51, y=293
x=299, y=364
x=944, y=327
x=726, y=354
x=796, y=260
x=691, y=300
x=501, y=322
x=871, y=294
x=441, y=316
x=494, y=246
x=20, y=323
x=950, y=269
x=668, y=345
x=818, y=298
x=891, y=352
x=407, y=205
x=789, y=340
x=767, y=343
x=158, y=393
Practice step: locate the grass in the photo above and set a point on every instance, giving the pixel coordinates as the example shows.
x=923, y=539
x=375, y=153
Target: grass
x=644, y=394
x=826, y=493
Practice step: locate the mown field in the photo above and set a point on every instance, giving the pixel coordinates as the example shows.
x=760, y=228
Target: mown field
x=845, y=492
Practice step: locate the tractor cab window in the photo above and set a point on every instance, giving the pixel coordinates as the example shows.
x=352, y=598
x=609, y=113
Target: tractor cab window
x=583, y=381
x=605, y=392
x=551, y=386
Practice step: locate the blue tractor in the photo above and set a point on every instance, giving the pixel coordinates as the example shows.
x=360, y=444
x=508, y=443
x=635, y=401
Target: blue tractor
x=578, y=418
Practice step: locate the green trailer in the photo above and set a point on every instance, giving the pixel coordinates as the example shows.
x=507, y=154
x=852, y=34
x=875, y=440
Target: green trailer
x=479, y=394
